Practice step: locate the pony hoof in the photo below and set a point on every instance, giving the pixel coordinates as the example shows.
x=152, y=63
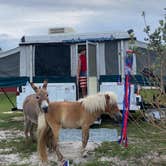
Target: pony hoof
x=50, y=150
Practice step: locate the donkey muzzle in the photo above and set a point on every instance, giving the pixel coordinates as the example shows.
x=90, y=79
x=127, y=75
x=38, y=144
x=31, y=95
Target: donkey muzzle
x=44, y=106
x=45, y=109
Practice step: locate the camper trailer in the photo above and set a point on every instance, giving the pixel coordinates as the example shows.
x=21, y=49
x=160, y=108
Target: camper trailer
x=55, y=57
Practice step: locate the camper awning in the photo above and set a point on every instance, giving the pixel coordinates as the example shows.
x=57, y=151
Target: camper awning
x=12, y=81
x=20, y=81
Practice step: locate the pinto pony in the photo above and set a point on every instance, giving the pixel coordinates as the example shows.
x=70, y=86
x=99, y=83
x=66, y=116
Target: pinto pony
x=81, y=113
x=32, y=107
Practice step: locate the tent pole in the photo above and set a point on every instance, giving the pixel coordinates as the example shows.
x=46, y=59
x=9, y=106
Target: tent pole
x=14, y=108
x=31, y=64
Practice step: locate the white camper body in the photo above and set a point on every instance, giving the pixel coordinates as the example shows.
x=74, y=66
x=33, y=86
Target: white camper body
x=118, y=89
x=56, y=92
x=67, y=92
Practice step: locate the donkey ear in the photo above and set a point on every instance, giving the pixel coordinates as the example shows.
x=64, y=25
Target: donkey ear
x=45, y=82
x=35, y=88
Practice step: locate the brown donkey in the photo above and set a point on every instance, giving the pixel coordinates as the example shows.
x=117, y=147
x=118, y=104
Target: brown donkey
x=32, y=107
x=81, y=113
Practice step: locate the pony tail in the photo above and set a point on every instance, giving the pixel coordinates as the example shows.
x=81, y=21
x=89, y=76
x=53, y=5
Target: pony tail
x=41, y=133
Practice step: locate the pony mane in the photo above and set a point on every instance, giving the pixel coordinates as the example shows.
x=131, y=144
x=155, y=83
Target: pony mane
x=94, y=103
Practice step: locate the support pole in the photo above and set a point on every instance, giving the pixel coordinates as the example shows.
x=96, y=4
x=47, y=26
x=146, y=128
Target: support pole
x=14, y=107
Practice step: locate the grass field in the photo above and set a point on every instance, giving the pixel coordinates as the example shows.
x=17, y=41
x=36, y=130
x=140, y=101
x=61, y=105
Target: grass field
x=146, y=141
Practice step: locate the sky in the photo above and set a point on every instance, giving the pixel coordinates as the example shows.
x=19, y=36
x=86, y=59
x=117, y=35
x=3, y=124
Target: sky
x=35, y=17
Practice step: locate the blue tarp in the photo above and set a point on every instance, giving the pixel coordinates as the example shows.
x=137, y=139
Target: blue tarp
x=95, y=135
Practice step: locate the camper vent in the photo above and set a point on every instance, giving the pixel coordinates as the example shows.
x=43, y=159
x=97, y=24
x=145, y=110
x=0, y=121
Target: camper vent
x=60, y=30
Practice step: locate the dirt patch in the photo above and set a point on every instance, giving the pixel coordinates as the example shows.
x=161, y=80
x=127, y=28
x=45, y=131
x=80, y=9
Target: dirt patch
x=18, y=119
x=10, y=134
x=70, y=150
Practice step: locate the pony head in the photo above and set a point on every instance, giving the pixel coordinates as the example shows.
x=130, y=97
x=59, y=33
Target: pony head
x=102, y=102
x=111, y=107
x=41, y=95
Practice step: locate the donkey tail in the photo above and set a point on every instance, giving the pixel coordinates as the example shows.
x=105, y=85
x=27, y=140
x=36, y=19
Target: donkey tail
x=41, y=133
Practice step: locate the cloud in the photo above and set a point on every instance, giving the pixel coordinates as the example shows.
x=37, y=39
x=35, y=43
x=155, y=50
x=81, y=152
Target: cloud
x=62, y=4
x=7, y=41
x=35, y=17
x=86, y=4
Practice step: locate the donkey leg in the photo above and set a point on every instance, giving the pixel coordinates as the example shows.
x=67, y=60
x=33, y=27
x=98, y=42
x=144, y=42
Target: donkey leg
x=26, y=129
x=85, y=137
x=55, y=129
x=32, y=132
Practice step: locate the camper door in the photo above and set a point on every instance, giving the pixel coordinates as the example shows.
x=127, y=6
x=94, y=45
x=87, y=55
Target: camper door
x=91, y=67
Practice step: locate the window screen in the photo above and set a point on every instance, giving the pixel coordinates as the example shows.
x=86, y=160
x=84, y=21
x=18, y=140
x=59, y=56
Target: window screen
x=10, y=65
x=92, y=60
x=111, y=58
x=52, y=60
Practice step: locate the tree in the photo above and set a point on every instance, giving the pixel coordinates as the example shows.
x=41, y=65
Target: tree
x=157, y=43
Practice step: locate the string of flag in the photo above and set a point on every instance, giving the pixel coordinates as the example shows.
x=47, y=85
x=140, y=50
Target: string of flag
x=126, y=101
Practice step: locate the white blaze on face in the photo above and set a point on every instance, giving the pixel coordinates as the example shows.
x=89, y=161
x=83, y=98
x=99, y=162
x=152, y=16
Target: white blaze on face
x=44, y=104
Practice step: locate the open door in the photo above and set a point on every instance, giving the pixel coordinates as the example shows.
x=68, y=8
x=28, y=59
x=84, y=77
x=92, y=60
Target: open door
x=91, y=68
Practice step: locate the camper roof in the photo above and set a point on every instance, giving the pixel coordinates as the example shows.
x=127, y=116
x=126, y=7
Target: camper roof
x=74, y=37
